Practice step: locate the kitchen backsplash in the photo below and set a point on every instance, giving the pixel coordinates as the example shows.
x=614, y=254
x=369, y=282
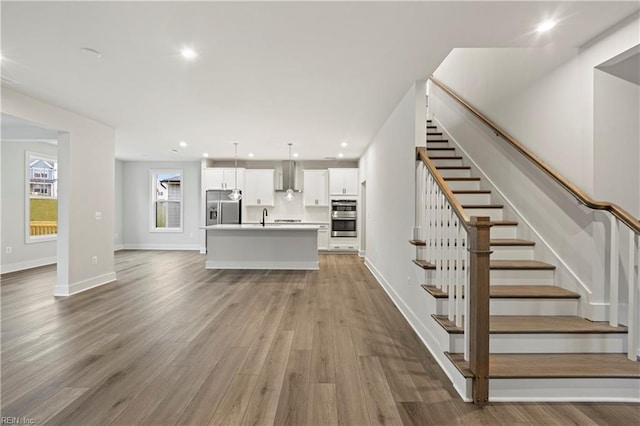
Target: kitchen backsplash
x=284, y=209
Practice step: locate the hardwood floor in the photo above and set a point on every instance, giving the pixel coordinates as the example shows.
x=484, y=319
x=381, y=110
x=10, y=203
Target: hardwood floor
x=172, y=343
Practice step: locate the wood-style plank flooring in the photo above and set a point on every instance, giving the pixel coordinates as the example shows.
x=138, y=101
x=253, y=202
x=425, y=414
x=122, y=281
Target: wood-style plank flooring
x=172, y=343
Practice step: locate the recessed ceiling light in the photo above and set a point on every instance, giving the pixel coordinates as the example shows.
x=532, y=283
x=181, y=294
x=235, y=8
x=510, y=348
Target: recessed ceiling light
x=189, y=53
x=91, y=52
x=206, y=154
x=545, y=26
x=340, y=155
x=344, y=144
x=183, y=144
x=295, y=154
x=251, y=154
x=175, y=151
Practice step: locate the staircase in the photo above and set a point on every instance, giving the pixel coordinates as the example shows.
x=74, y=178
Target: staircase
x=540, y=347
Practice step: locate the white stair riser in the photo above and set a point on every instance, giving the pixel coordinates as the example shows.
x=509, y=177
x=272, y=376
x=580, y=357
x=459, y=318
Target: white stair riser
x=521, y=276
x=463, y=185
x=432, y=153
x=500, y=232
x=431, y=136
x=437, y=144
x=512, y=252
x=494, y=214
x=550, y=343
x=473, y=198
x=455, y=173
x=522, y=306
x=437, y=162
x=562, y=390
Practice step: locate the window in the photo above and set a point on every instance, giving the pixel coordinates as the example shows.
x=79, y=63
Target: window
x=166, y=200
x=41, y=197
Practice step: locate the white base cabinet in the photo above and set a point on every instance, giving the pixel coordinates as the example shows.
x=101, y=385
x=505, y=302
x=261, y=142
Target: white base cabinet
x=323, y=237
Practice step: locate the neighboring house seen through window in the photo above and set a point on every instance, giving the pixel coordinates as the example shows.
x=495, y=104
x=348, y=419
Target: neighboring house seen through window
x=41, y=197
x=166, y=200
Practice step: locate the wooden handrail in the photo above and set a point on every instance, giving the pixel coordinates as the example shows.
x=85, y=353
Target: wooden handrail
x=421, y=154
x=624, y=216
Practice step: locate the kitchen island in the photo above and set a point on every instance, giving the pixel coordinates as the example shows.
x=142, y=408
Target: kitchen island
x=253, y=246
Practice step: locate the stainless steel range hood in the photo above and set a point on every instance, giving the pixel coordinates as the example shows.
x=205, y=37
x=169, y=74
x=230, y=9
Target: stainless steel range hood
x=287, y=176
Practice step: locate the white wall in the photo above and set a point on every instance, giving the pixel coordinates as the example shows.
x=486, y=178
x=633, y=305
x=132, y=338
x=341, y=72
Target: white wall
x=136, y=207
x=118, y=224
x=542, y=97
x=86, y=186
x=14, y=222
x=617, y=141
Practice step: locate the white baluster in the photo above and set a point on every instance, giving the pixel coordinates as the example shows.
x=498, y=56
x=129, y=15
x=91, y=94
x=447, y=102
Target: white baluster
x=451, y=264
x=467, y=298
x=632, y=331
x=459, y=272
x=613, y=273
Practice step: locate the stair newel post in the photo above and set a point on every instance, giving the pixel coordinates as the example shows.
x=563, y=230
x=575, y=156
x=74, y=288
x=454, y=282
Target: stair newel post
x=479, y=251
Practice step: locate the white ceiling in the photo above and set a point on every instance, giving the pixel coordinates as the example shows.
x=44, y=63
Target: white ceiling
x=315, y=74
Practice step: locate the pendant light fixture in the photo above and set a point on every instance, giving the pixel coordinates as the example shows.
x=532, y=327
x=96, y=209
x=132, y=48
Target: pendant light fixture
x=289, y=195
x=235, y=193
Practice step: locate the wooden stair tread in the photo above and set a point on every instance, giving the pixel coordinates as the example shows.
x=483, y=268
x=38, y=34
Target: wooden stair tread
x=462, y=179
x=536, y=324
x=423, y=264
x=441, y=148
x=471, y=191
x=553, y=366
x=434, y=133
x=504, y=223
x=482, y=206
x=418, y=242
x=446, y=157
x=429, y=126
x=508, y=242
x=514, y=292
x=438, y=140
x=499, y=264
x=454, y=167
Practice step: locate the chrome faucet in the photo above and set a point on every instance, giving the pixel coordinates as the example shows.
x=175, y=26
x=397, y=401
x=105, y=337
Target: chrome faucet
x=264, y=213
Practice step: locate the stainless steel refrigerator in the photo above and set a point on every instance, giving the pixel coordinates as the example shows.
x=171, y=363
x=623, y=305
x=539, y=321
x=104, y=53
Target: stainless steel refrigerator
x=222, y=210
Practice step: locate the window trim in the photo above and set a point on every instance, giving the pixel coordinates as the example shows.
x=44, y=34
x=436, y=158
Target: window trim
x=152, y=200
x=28, y=238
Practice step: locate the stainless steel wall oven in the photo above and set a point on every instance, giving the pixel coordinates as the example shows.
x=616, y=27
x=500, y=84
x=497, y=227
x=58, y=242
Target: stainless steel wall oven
x=343, y=218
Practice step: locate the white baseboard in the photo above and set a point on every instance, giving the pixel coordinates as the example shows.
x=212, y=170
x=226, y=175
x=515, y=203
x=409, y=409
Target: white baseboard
x=423, y=333
x=362, y=253
x=80, y=286
x=161, y=247
x=20, y=266
x=118, y=247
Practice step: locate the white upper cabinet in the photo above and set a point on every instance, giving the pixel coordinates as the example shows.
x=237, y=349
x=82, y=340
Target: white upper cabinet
x=316, y=191
x=343, y=181
x=259, y=187
x=222, y=178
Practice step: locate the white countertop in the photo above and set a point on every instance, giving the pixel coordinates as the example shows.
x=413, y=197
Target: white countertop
x=304, y=222
x=259, y=227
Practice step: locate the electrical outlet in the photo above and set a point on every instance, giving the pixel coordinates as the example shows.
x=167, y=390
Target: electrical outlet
x=94, y=260
x=98, y=215
x=9, y=249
